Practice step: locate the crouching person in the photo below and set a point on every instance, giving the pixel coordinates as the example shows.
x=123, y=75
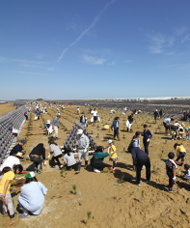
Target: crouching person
x=5, y=182
x=32, y=194
x=97, y=160
x=57, y=154
x=69, y=160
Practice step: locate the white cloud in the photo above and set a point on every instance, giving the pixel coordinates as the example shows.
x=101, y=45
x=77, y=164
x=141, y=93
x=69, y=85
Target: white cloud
x=160, y=44
x=39, y=56
x=96, y=19
x=8, y=60
x=94, y=60
x=181, y=31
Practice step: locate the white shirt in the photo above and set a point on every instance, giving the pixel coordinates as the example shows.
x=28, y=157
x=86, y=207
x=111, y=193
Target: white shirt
x=94, y=113
x=10, y=162
x=167, y=120
x=55, y=149
x=70, y=159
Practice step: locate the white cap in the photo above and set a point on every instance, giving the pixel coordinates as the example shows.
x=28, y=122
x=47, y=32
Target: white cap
x=48, y=121
x=80, y=131
x=110, y=141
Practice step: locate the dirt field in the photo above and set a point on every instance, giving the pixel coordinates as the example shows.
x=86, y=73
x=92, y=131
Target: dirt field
x=110, y=205
x=6, y=107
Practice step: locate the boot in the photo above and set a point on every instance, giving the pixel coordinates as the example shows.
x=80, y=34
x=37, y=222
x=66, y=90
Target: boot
x=86, y=164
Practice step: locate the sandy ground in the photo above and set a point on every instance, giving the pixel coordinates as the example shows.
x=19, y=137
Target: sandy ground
x=6, y=107
x=126, y=205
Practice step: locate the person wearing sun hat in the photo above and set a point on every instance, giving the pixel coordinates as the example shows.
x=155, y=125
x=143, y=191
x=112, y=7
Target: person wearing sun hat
x=83, y=144
x=55, y=126
x=18, y=148
x=31, y=198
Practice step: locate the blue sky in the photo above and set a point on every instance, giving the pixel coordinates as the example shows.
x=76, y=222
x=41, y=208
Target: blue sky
x=71, y=49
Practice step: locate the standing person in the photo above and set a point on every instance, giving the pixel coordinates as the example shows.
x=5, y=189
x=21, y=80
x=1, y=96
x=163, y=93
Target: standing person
x=136, y=139
x=36, y=155
x=32, y=194
x=54, y=149
x=97, y=159
x=112, y=153
x=170, y=170
x=55, y=126
x=83, y=120
x=18, y=148
x=156, y=115
x=5, y=184
x=115, y=127
x=181, y=152
x=129, y=122
x=26, y=115
x=83, y=144
x=161, y=113
x=167, y=123
x=146, y=138
x=140, y=158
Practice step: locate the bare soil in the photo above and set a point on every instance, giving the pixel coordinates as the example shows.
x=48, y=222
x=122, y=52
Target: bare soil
x=112, y=198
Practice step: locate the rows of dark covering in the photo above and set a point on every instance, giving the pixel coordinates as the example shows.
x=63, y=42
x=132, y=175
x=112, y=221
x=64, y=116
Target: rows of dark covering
x=16, y=118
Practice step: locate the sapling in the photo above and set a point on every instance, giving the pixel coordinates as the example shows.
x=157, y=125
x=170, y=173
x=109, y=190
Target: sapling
x=123, y=136
x=97, y=135
x=89, y=213
x=142, y=193
x=74, y=189
x=123, y=149
x=166, y=141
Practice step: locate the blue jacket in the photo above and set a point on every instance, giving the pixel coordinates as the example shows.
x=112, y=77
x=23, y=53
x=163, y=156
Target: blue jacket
x=114, y=125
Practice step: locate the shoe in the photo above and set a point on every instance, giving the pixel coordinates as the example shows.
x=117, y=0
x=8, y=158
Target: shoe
x=114, y=168
x=143, y=167
x=96, y=170
x=24, y=215
x=78, y=171
x=12, y=216
x=52, y=166
x=171, y=190
x=61, y=166
x=147, y=181
x=119, y=139
x=139, y=184
x=176, y=162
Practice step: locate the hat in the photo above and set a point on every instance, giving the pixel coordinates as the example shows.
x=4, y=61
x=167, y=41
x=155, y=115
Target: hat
x=59, y=116
x=182, y=123
x=19, y=154
x=80, y=131
x=23, y=141
x=48, y=121
x=31, y=175
x=110, y=141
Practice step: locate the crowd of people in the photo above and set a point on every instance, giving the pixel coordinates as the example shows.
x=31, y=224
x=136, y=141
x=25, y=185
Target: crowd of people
x=32, y=194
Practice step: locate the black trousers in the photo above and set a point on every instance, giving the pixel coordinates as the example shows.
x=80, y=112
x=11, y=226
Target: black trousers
x=181, y=155
x=116, y=133
x=140, y=162
x=170, y=175
x=99, y=166
x=57, y=159
x=146, y=144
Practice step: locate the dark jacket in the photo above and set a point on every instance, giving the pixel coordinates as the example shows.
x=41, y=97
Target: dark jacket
x=147, y=135
x=17, y=148
x=39, y=150
x=98, y=157
x=137, y=153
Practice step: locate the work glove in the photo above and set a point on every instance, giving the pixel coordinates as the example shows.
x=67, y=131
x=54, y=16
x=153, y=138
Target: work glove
x=148, y=140
x=85, y=150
